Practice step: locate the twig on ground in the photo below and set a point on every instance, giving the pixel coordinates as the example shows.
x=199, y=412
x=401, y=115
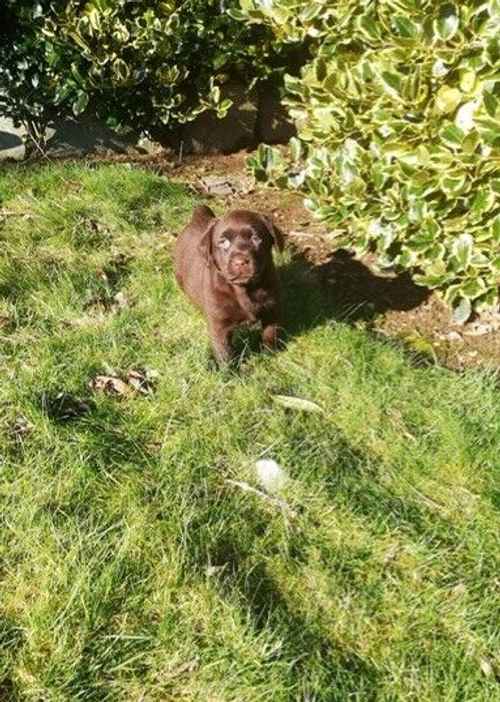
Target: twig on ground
x=275, y=501
x=11, y=213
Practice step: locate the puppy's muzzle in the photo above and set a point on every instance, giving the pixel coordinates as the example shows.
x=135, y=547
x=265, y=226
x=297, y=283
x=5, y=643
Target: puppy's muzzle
x=241, y=267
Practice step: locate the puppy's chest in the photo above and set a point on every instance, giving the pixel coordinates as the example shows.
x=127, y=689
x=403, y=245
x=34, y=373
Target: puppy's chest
x=248, y=307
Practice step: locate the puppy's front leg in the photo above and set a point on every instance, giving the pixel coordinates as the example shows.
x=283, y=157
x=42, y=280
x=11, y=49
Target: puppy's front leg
x=270, y=337
x=221, y=336
x=271, y=328
x=270, y=332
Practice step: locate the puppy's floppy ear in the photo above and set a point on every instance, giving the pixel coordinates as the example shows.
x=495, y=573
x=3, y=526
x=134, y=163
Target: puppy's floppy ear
x=205, y=247
x=275, y=232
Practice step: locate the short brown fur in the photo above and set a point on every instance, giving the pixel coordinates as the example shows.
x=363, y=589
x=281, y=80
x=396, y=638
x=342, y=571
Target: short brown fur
x=225, y=267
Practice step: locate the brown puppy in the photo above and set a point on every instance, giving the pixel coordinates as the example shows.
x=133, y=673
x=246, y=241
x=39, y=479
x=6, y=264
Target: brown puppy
x=225, y=267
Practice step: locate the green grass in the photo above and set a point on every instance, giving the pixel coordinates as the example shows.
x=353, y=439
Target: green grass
x=130, y=569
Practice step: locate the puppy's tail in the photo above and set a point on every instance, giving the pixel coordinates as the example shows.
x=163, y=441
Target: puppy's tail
x=202, y=216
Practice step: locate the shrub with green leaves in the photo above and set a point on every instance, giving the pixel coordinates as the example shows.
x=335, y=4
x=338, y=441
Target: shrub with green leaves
x=398, y=114
x=143, y=63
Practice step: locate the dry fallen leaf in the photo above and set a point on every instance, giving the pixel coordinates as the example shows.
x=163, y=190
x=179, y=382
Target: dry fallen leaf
x=135, y=381
x=486, y=667
x=142, y=381
x=110, y=385
x=20, y=428
x=297, y=403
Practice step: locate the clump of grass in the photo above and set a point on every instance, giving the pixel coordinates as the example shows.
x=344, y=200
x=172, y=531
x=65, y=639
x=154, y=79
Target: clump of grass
x=131, y=564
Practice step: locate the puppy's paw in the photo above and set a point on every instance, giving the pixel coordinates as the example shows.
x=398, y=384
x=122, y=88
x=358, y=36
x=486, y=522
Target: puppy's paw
x=225, y=364
x=272, y=338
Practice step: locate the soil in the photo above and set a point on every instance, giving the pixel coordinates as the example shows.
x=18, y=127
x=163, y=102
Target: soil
x=389, y=305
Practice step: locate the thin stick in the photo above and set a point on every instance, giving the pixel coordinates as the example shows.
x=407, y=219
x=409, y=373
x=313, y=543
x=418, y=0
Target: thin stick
x=9, y=213
x=275, y=501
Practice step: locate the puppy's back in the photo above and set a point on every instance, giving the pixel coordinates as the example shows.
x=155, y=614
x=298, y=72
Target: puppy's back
x=187, y=256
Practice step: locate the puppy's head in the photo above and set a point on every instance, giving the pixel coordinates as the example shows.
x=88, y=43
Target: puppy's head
x=240, y=244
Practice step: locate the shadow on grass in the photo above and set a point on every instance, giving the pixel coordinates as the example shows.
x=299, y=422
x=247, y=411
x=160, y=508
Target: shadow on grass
x=295, y=619
x=11, y=641
x=8, y=691
x=363, y=482
x=305, y=642
x=104, y=428
x=343, y=289
x=11, y=636
x=353, y=478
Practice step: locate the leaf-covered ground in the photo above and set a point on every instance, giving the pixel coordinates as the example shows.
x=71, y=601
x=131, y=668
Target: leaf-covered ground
x=133, y=566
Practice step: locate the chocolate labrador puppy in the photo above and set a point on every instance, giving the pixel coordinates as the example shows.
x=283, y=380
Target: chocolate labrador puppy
x=225, y=266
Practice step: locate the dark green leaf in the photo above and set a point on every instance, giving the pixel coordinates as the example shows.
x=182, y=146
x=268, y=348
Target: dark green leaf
x=80, y=104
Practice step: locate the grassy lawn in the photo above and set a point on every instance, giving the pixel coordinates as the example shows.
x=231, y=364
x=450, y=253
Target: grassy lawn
x=132, y=568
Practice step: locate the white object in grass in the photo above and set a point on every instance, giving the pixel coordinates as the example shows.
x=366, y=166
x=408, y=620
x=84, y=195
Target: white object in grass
x=271, y=476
